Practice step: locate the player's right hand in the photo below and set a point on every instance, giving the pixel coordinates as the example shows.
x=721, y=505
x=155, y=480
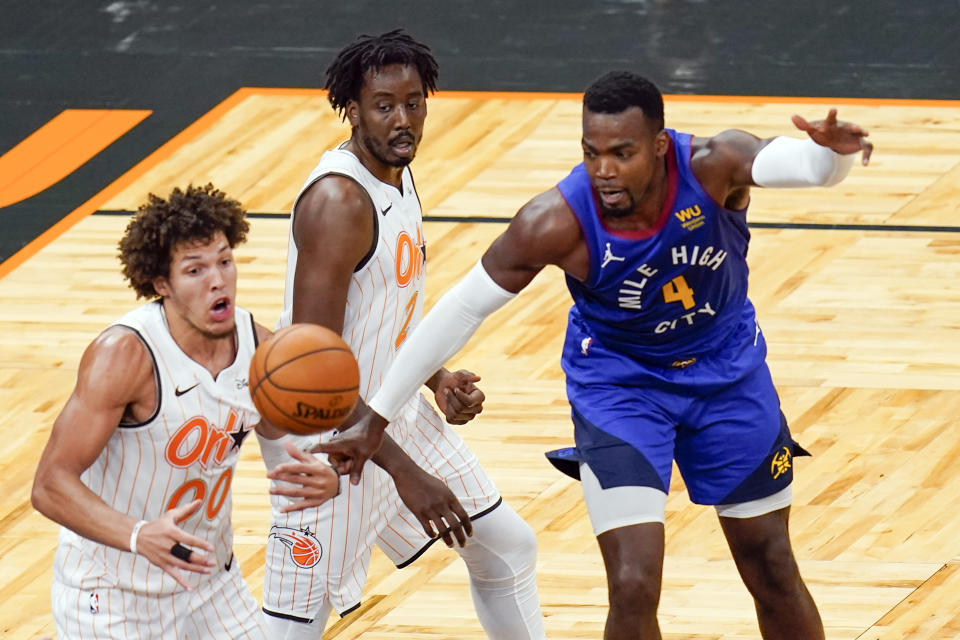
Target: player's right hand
x=842, y=137
x=158, y=537
x=350, y=449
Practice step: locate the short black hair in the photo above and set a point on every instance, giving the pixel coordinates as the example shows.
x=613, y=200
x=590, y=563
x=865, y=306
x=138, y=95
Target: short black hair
x=345, y=73
x=159, y=225
x=617, y=91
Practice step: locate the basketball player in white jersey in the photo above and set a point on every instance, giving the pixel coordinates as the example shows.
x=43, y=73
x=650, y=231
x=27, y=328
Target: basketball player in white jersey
x=140, y=461
x=357, y=260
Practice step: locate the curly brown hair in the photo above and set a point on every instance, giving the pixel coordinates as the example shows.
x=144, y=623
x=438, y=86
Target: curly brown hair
x=159, y=225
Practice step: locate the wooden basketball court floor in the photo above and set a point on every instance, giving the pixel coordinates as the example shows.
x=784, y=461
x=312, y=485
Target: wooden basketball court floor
x=858, y=292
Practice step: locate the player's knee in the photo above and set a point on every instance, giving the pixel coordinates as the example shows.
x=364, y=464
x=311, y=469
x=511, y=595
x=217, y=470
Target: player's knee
x=503, y=546
x=633, y=590
x=523, y=542
x=769, y=569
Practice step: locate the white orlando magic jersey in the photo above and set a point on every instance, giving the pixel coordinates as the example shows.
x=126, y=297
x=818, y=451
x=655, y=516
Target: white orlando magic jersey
x=323, y=553
x=187, y=450
x=385, y=298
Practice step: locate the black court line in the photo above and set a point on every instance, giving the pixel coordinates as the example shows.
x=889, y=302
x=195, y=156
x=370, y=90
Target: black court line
x=908, y=228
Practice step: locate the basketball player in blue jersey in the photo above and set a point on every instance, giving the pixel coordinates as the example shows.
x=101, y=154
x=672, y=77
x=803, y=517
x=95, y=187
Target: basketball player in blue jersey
x=663, y=356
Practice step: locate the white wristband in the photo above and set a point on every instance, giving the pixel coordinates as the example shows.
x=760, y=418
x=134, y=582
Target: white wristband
x=134, y=534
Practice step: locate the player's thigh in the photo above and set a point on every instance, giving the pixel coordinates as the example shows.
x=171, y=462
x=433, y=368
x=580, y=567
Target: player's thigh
x=625, y=434
x=223, y=608
x=321, y=554
x=283, y=628
x=439, y=450
x=620, y=506
x=94, y=612
x=734, y=445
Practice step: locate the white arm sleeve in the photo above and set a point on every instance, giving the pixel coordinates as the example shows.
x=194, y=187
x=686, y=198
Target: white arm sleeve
x=789, y=162
x=438, y=337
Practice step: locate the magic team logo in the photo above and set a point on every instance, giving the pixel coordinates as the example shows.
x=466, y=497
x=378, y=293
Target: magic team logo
x=305, y=549
x=780, y=463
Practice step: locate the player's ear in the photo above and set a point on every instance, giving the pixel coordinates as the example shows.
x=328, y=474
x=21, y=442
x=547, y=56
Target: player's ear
x=353, y=112
x=162, y=286
x=661, y=143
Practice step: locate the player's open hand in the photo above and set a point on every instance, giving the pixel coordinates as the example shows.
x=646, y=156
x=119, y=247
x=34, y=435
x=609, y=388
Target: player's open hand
x=842, y=137
x=458, y=397
x=350, y=449
x=431, y=501
x=306, y=480
x=171, y=548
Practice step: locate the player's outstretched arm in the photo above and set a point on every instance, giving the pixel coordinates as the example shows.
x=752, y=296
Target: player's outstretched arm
x=545, y=231
x=115, y=373
x=731, y=162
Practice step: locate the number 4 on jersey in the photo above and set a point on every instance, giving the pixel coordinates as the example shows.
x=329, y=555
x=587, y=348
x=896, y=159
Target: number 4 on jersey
x=677, y=291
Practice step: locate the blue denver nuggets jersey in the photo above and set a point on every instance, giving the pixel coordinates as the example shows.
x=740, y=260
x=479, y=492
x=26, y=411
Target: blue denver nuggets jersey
x=662, y=296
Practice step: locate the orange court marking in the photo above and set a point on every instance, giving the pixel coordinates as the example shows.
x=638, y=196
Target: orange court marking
x=59, y=147
x=208, y=119
x=118, y=185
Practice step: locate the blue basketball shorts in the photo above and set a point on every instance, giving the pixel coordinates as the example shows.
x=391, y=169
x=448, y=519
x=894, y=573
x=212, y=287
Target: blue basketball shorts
x=731, y=445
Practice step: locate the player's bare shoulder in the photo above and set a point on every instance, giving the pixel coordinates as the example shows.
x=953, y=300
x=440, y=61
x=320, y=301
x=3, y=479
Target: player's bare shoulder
x=332, y=203
x=546, y=228
x=117, y=366
x=722, y=165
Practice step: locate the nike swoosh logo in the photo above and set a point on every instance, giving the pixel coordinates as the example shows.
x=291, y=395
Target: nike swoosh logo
x=179, y=392
x=384, y=212
x=229, y=563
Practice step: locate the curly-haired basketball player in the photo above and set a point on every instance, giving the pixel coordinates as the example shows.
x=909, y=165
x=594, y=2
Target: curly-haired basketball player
x=663, y=356
x=356, y=264
x=140, y=461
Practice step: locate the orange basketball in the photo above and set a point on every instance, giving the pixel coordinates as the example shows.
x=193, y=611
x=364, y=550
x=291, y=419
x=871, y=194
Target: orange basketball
x=304, y=379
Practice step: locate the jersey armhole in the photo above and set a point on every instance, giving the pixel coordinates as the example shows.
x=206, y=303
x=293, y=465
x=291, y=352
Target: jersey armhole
x=373, y=211
x=588, y=240
x=374, y=241
x=253, y=329
x=156, y=378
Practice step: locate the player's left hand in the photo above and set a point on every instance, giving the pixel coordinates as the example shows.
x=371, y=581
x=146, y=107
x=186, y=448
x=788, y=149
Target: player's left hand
x=434, y=505
x=314, y=481
x=458, y=396
x=842, y=137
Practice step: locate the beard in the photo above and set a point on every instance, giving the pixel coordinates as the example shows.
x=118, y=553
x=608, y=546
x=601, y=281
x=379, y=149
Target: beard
x=380, y=152
x=617, y=212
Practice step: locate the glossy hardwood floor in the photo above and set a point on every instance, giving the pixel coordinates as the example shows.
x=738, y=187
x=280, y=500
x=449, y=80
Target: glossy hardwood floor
x=862, y=326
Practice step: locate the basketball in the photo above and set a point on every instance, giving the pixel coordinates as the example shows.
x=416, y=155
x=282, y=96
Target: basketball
x=304, y=379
